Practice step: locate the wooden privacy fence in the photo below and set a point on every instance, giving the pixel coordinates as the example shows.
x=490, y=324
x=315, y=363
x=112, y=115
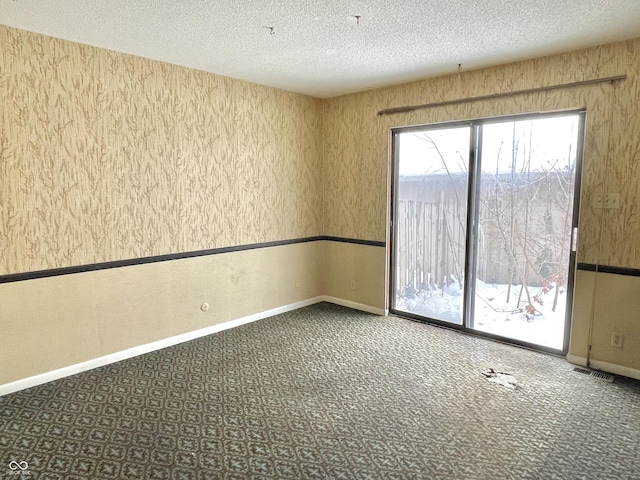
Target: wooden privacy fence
x=530, y=236
x=430, y=242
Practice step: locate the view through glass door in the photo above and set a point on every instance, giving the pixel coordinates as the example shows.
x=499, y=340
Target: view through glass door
x=430, y=222
x=482, y=222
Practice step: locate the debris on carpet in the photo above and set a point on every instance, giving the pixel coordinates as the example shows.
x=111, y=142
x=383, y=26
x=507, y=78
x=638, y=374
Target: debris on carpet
x=502, y=378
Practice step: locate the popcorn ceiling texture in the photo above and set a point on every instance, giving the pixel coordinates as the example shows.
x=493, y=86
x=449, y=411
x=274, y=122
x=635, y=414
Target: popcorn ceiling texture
x=106, y=156
x=320, y=48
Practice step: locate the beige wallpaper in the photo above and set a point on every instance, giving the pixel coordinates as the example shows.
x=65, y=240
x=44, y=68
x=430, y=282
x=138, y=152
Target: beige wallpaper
x=106, y=156
x=356, y=140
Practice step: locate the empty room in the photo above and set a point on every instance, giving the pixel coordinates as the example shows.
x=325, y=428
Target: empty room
x=339, y=240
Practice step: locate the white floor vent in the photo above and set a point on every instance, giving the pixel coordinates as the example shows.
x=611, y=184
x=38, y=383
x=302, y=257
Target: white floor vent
x=601, y=375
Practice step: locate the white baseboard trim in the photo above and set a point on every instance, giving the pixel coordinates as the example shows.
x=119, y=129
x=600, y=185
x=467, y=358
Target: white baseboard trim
x=354, y=305
x=39, y=379
x=605, y=366
x=147, y=348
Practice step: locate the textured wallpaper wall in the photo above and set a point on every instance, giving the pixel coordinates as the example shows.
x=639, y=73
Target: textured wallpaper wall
x=105, y=156
x=356, y=158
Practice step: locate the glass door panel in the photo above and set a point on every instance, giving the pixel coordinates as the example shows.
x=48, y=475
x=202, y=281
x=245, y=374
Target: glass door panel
x=430, y=219
x=524, y=222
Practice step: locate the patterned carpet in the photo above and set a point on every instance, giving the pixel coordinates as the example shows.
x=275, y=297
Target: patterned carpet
x=325, y=393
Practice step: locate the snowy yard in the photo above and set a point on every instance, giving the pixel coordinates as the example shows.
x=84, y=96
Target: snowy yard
x=492, y=313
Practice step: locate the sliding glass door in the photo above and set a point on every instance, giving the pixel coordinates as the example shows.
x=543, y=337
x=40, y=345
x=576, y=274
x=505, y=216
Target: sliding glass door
x=483, y=215
x=432, y=182
x=525, y=208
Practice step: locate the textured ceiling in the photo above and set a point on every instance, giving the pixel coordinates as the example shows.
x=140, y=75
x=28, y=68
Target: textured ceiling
x=319, y=47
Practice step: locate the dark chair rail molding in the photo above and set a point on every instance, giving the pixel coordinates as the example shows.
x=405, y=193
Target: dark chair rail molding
x=591, y=267
x=54, y=272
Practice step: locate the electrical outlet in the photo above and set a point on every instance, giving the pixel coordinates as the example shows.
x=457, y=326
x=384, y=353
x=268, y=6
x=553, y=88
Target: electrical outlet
x=608, y=201
x=611, y=200
x=352, y=285
x=204, y=307
x=298, y=285
x=616, y=339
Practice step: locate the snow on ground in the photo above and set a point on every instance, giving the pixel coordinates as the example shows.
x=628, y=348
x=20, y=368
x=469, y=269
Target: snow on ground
x=492, y=314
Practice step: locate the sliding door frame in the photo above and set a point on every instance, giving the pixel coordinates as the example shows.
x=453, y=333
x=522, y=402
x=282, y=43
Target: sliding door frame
x=473, y=192
x=395, y=171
